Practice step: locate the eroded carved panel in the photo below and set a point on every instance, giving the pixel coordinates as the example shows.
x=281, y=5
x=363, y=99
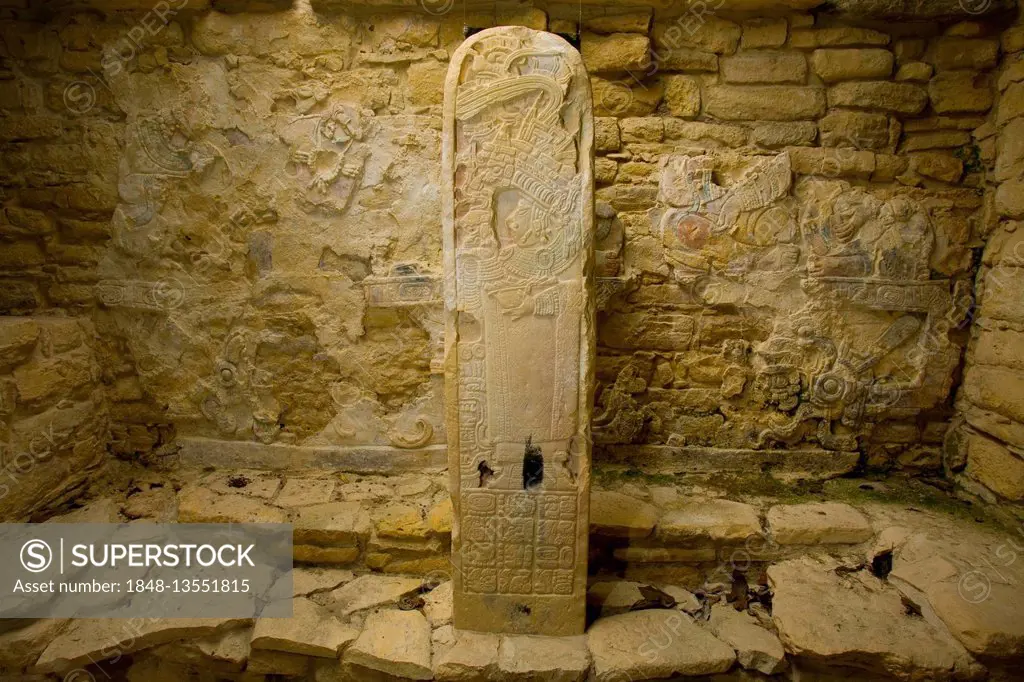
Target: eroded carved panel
x=817, y=309
x=519, y=241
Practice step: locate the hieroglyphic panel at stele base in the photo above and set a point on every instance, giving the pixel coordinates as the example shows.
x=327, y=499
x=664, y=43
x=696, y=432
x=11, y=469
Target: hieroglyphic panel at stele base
x=519, y=337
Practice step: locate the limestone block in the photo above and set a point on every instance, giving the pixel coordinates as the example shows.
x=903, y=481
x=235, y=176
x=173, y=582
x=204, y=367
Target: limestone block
x=615, y=52
x=614, y=514
x=942, y=166
x=625, y=97
x=706, y=32
x=302, y=492
x=1010, y=199
x=898, y=98
x=439, y=517
x=525, y=658
x=655, y=644
x=780, y=134
x=857, y=129
x=473, y=658
x=914, y=72
x=713, y=133
x=823, y=523
x=526, y=486
x=756, y=648
x=908, y=49
x=763, y=33
x=989, y=627
x=631, y=21
x=606, y=134
x=685, y=59
x=90, y=640
x=605, y=171
x=371, y=591
x=197, y=504
x=832, y=162
x=1010, y=160
x=401, y=521
x=948, y=53
x=310, y=580
x=265, y=662
x=856, y=619
x=840, y=65
x=437, y=605
x=17, y=338
x=315, y=554
x=717, y=521
x=21, y=646
x=330, y=524
x=836, y=37
x=995, y=466
x=227, y=652
x=764, y=102
x=663, y=555
x=311, y=631
x=960, y=92
x=645, y=129
x=1013, y=39
x=764, y=66
x=682, y=96
x=394, y=643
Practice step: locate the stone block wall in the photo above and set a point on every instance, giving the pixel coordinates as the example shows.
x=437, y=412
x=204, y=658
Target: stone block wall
x=986, y=448
x=246, y=205
x=53, y=417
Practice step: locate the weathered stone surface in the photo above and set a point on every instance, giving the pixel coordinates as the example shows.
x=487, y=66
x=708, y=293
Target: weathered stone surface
x=426, y=82
x=17, y=337
x=899, y=98
x=840, y=65
x=856, y=619
x=615, y=52
x=709, y=520
x=302, y=492
x=995, y=466
x=836, y=37
x=685, y=59
x=767, y=102
x=612, y=597
x=956, y=92
x=938, y=165
x=437, y=604
x=91, y=640
x=616, y=515
x=775, y=135
x=989, y=626
x=832, y=162
x=311, y=631
x=682, y=95
x=625, y=97
x=928, y=9
x=266, y=662
x=394, y=643
x=524, y=658
x=199, y=505
x=948, y=53
x=823, y=523
x=763, y=33
x=756, y=648
x=606, y=134
x=654, y=644
x=316, y=554
x=706, y=32
x=473, y=658
x=331, y=524
x=534, y=461
x=21, y=646
x=713, y=133
x=369, y=591
x=914, y=72
x=764, y=66
x=631, y=21
x=227, y=652
x=858, y=129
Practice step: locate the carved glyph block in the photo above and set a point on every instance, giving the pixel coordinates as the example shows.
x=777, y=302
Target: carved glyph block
x=519, y=336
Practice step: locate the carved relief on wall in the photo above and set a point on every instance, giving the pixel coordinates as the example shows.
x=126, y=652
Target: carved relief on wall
x=518, y=263
x=856, y=329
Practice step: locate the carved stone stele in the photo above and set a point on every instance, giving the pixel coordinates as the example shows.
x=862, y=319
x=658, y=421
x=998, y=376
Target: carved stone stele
x=519, y=336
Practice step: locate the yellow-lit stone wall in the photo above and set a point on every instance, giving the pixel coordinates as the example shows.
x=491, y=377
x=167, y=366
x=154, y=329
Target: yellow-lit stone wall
x=246, y=205
x=987, y=445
